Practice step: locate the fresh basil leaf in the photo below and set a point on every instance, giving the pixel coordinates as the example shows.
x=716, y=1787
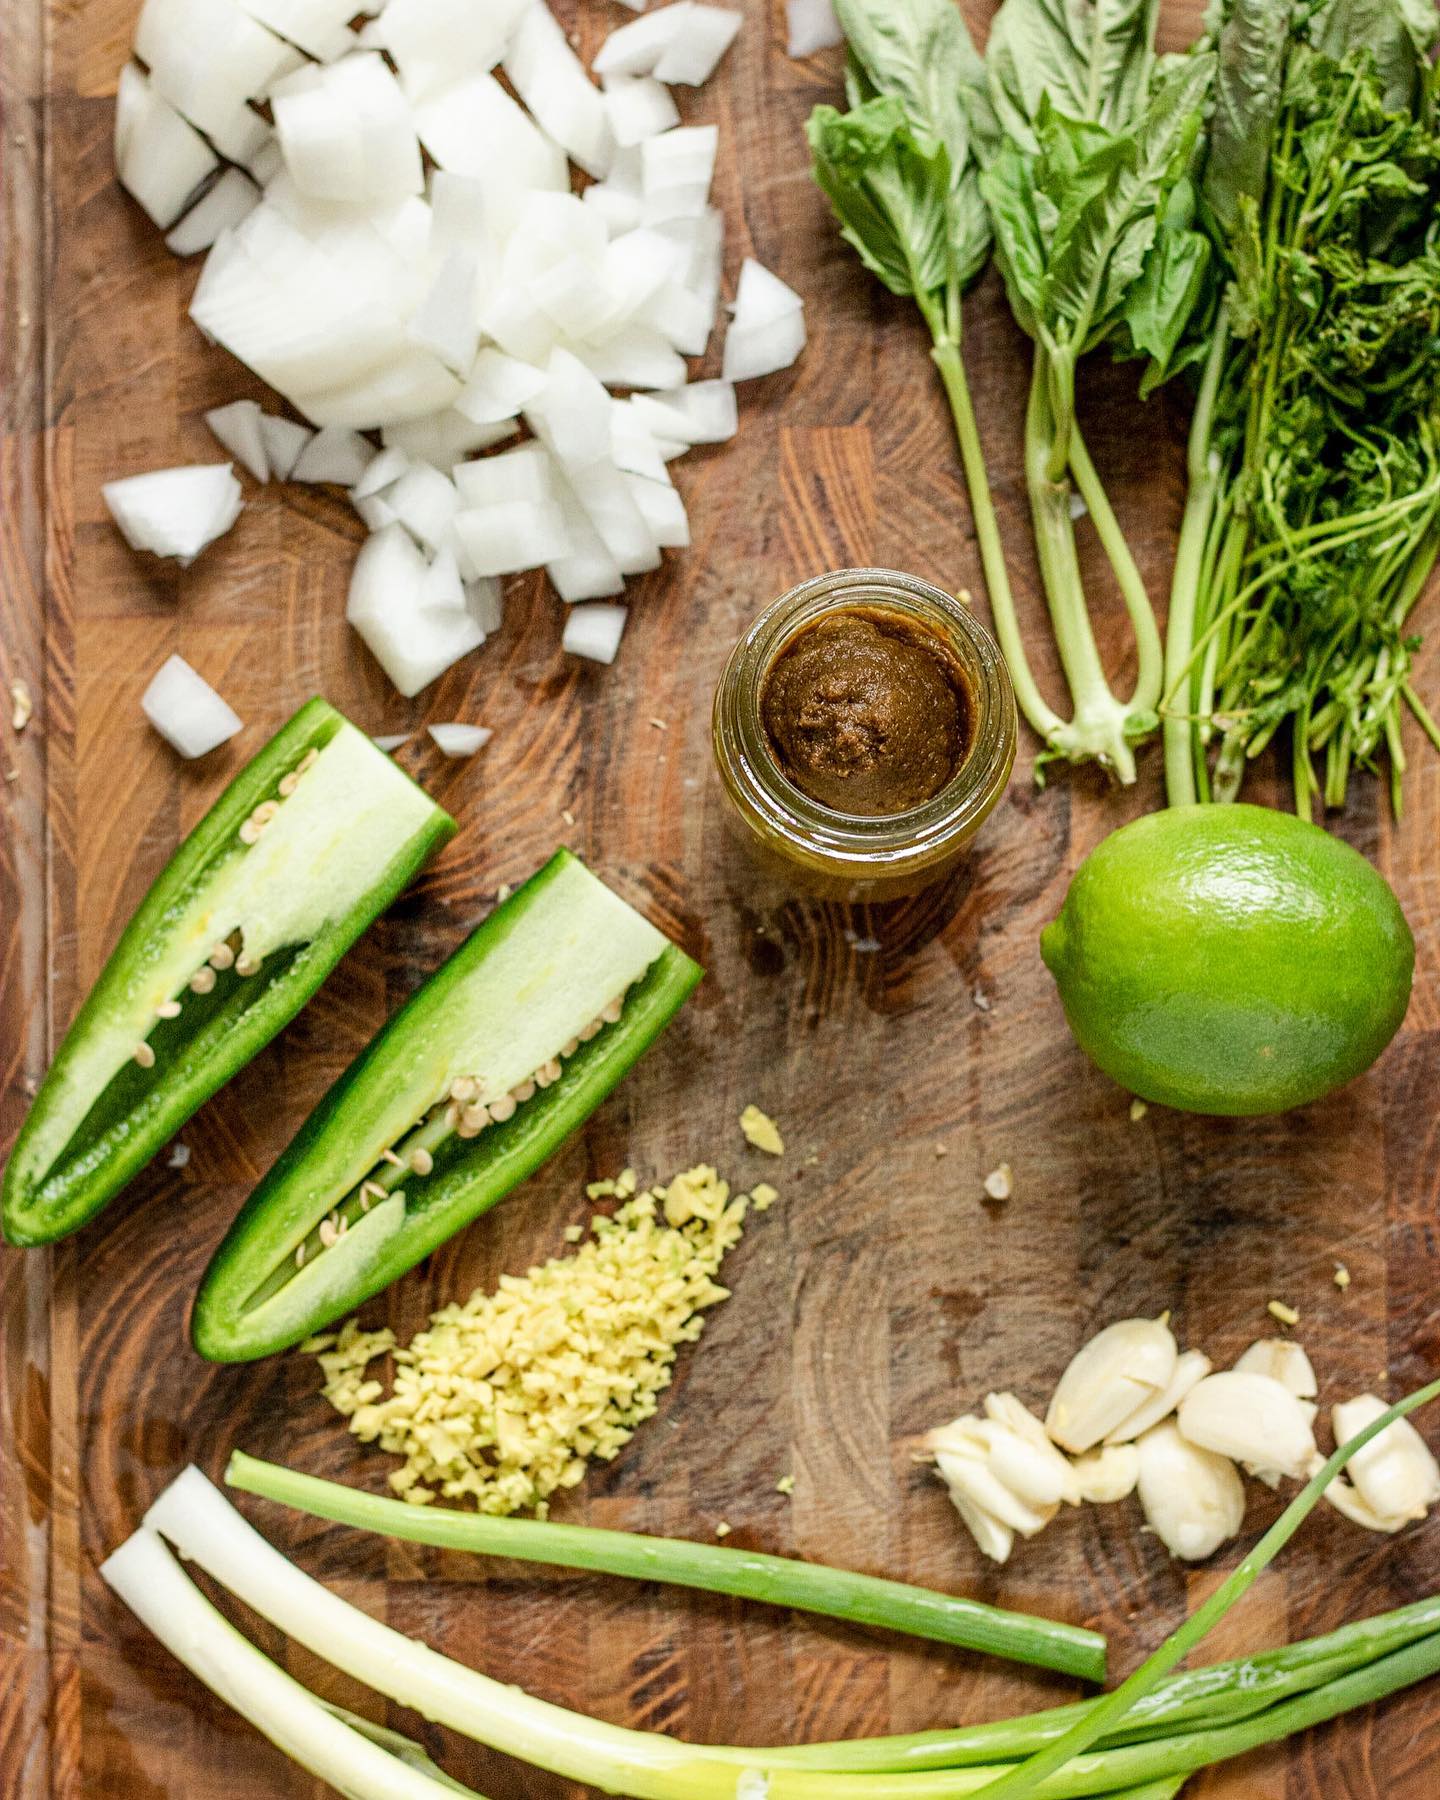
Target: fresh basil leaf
x=1089, y=59
x=1023, y=219
x=1092, y=202
x=889, y=194
x=1251, y=46
x=1160, y=304
x=919, y=52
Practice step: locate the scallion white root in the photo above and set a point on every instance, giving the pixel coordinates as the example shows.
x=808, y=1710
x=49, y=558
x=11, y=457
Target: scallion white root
x=162, y=1596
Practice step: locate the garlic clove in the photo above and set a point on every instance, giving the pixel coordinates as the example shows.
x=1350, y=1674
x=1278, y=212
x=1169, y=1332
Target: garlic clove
x=1191, y=1368
x=1193, y=1499
x=1395, y=1475
x=1116, y=1372
x=1283, y=1360
x=1251, y=1419
x=994, y=1539
x=1006, y=1410
x=1345, y=1500
x=984, y=1489
x=1107, y=1474
x=1039, y=1478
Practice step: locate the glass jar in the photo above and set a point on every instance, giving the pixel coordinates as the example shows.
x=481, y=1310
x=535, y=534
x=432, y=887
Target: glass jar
x=847, y=855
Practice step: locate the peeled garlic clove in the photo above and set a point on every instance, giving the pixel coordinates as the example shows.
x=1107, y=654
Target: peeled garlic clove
x=959, y=1438
x=1191, y=1368
x=1038, y=1479
x=1193, y=1499
x=1283, y=1360
x=1251, y=1419
x=1005, y=1410
x=984, y=1489
x=1395, y=1474
x=994, y=1539
x=1345, y=1500
x=1125, y=1365
x=1108, y=1474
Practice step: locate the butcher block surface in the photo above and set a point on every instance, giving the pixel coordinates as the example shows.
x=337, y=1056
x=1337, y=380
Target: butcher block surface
x=905, y=1051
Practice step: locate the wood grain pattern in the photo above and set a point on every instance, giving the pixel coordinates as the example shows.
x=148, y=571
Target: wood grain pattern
x=882, y=1295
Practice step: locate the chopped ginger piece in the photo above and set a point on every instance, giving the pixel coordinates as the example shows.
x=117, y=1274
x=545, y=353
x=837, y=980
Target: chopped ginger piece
x=1287, y=1315
x=785, y=1485
x=1342, y=1276
x=763, y=1196
x=761, y=1131
x=506, y=1397
x=723, y=1529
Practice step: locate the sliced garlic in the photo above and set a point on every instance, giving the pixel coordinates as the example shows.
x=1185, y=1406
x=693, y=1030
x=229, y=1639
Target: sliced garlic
x=1108, y=1474
x=1191, y=1368
x=1395, y=1475
x=1006, y=1410
x=1116, y=1372
x=1283, y=1360
x=1251, y=1419
x=1193, y=1499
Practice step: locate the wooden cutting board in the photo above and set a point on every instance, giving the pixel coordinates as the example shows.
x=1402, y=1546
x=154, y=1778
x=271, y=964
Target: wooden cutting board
x=905, y=1051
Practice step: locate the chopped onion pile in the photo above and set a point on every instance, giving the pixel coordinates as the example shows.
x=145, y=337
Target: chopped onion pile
x=175, y=512
x=396, y=248
x=186, y=710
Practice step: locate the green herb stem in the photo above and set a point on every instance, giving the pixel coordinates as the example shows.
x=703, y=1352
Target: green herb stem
x=775, y=1580
x=1043, y=719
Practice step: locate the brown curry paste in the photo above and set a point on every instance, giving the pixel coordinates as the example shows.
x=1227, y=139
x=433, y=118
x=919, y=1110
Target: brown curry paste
x=867, y=711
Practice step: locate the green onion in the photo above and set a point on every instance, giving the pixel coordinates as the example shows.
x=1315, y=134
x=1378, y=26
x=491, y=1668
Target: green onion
x=776, y=1580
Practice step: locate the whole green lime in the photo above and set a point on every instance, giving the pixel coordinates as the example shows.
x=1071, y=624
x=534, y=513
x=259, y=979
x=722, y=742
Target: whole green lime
x=1230, y=959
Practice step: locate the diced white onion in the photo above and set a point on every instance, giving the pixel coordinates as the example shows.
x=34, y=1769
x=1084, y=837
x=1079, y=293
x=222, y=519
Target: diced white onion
x=637, y=48
x=223, y=205
x=635, y=357
x=447, y=319
x=662, y=510
x=589, y=572
x=411, y=642
x=186, y=710
x=611, y=509
x=460, y=740
x=618, y=206
x=334, y=454
x=474, y=128
x=237, y=429
x=208, y=58
x=548, y=76
x=499, y=386
x=391, y=741
x=283, y=439
x=383, y=471
x=761, y=298
x=704, y=412
x=161, y=160
x=442, y=589
x=485, y=602
x=638, y=107
x=695, y=49
x=512, y=535
x=812, y=26
x=443, y=438
x=414, y=386
x=753, y=350
x=679, y=158
x=435, y=42
x=318, y=27
x=523, y=474
x=348, y=132
x=571, y=415
x=175, y=512
x=374, y=511
x=424, y=501
x=634, y=449
x=594, y=632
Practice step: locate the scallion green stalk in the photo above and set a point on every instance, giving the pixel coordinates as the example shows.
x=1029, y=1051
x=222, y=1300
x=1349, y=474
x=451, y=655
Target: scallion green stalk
x=750, y=1575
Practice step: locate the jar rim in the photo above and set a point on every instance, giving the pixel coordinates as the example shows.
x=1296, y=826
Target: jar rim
x=921, y=833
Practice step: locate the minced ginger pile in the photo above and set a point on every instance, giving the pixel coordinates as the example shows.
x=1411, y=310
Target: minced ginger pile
x=505, y=1397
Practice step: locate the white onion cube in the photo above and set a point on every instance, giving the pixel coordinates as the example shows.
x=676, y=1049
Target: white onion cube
x=223, y=205
x=695, y=50
x=161, y=160
x=548, y=76
x=639, y=107
x=237, y=428
x=186, y=710
x=175, y=512
x=413, y=643
x=334, y=454
x=459, y=740
x=511, y=535
x=594, y=632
